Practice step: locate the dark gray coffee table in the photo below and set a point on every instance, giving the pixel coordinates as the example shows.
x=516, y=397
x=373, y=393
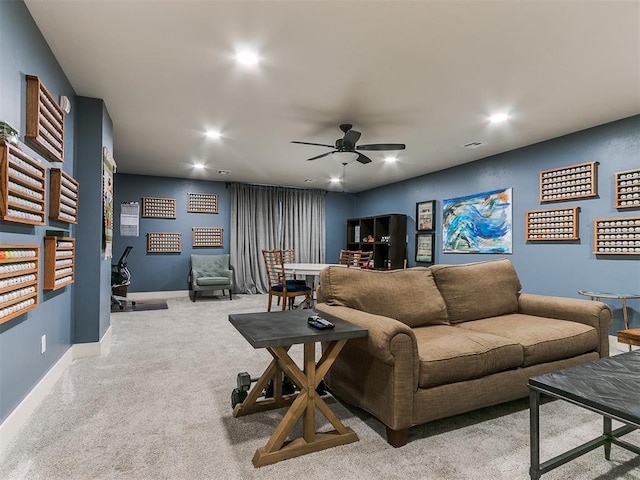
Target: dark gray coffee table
x=277, y=332
x=608, y=386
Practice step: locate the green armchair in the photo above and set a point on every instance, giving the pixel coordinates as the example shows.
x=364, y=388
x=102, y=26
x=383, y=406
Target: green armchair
x=210, y=272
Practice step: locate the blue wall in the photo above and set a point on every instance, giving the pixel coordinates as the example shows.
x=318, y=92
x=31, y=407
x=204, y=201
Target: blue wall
x=94, y=130
x=556, y=268
x=166, y=272
x=23, y=51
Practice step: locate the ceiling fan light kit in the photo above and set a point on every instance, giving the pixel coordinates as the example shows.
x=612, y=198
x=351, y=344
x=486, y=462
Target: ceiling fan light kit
x=347, y=145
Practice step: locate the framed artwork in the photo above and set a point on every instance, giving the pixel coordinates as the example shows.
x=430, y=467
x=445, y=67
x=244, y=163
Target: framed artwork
x=478, y=223
x=424, y=247
x=425, y=213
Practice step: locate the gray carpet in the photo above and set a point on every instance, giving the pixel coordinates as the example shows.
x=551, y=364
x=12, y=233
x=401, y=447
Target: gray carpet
x=157, y=406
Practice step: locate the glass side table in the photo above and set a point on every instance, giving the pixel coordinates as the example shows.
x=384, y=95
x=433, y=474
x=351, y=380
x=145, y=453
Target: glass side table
x=623, y=297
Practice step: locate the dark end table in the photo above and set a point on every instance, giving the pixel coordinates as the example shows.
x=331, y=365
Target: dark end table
x=277, y=332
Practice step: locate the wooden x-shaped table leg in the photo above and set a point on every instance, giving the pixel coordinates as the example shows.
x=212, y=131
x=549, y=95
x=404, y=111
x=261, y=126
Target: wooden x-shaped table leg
x=305, y=403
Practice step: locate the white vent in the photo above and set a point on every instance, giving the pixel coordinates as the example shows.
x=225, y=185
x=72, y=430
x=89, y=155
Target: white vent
x=474, y=145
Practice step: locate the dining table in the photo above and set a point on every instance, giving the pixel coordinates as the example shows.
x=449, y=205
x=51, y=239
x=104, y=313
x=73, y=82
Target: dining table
x=310, y=271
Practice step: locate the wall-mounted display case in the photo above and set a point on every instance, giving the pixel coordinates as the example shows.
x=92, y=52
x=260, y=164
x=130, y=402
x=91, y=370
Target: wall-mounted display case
x=207, y=236
x=59, y=262
x=627, y=186
x=22, y=187
x=163, y=242
x=18, y=280
x=63, y=199
x=552, y=224
x=202, y=202
x=45, y=121
x=156, y=207
x=569, y=183
x=616, y=236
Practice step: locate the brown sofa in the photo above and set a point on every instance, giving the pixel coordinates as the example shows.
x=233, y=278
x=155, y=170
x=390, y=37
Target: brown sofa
x=448, y=339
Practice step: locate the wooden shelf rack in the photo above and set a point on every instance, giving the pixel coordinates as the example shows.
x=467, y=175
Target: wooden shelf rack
x=616, y=236
x=45, y=121
x=18, y=280
x=627, y=185
x=552, y=224
x=22, y=187
x=63, y=199
x=569, y=183
x=156, y=207
x=59, y=262
x=163, y=242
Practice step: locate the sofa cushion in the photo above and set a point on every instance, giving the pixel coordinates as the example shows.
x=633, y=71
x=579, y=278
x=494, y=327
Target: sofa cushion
x=409, y=296
x=449, y=354
x=543, y=339
x=478, y=290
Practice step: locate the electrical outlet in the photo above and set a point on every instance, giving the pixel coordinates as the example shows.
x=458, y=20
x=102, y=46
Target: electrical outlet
x=43, y=344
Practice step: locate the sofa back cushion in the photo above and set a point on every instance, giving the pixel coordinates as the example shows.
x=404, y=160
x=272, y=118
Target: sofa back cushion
x=478, y=290
x=409, y=296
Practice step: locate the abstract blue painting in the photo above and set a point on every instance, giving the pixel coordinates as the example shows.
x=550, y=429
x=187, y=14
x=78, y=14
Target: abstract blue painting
x=478, y=223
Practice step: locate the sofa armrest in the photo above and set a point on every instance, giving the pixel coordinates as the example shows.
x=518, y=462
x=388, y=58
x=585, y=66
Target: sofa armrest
x=390, y=341
x=588, y=312
x=378, y=373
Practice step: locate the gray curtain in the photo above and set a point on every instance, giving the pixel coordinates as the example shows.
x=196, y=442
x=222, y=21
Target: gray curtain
x=264, y=217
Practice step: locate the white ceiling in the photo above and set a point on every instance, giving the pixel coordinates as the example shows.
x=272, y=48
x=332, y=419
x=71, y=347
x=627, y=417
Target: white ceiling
x=424, y=73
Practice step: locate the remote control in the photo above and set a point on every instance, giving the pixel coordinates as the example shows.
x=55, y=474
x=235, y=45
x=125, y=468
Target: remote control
x=319, y=323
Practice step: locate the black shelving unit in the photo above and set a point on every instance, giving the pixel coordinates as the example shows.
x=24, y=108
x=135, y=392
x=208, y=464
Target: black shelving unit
x=384, y=235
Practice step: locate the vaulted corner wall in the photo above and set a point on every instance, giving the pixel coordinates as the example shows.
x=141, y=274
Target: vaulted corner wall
x=94, y=130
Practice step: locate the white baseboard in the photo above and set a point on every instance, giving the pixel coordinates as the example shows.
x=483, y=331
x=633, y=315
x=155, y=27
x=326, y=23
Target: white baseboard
x=20, y=415
x=16, y=419
x=93, y=349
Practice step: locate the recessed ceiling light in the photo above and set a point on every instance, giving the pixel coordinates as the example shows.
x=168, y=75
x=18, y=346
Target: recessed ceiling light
x=198, y=166
x=391, y=159
x=499, y=117
x=215, y=134
x=335, y=180
x=247, y=57
x=224, y=172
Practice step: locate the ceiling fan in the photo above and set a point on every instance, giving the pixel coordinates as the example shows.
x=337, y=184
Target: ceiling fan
x=348, y=144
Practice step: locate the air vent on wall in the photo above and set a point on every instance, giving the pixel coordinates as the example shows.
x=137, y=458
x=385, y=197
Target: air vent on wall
x=474, y=145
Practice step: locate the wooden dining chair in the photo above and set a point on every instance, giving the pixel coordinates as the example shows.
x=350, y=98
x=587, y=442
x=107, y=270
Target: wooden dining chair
x=364, y=258
x=355, y=258
x=279, y=285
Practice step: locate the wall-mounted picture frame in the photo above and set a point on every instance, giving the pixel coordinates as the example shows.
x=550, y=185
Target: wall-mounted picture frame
x=478, y=223
x=425, y=214
x=424, y=247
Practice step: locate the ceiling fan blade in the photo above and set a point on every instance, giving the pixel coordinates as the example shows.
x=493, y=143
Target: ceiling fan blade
x=351, y=137
x=316, y=144
x=320, y=156
x=363, y=158
x=382, y=146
